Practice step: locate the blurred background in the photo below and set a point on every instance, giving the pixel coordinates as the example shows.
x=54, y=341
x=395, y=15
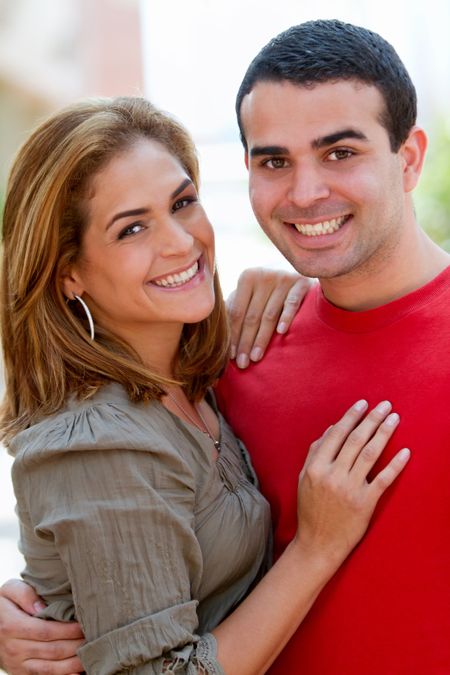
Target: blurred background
x=189, y=57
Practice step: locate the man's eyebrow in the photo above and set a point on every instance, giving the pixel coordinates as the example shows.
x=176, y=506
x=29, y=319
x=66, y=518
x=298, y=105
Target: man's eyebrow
x=260, y=150
x=144, y=211
x=337, y=136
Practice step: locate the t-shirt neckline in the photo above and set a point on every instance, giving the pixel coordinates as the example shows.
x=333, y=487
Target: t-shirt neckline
x=367, y=320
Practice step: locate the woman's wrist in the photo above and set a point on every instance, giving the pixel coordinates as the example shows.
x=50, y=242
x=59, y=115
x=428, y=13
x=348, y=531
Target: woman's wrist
x=317, y=561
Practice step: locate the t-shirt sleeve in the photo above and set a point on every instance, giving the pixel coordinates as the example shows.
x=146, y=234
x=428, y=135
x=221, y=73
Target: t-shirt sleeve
x=114, y=528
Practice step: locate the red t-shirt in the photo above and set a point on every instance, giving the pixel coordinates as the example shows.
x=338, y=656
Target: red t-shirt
x=387, y=610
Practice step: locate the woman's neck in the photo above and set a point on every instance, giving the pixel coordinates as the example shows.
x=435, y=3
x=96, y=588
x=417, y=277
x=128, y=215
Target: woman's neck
x=157, y=344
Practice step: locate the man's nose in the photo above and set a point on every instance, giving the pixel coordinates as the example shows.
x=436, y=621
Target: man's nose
x=307, y=186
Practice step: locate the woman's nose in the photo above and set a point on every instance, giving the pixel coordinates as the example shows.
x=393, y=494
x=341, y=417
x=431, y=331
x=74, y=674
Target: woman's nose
x=174, y=239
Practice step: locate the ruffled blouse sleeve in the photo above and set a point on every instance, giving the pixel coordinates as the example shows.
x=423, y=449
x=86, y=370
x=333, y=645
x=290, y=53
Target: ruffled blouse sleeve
x=109, y=520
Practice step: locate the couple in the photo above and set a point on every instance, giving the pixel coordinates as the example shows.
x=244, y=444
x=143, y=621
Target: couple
x=327, y=116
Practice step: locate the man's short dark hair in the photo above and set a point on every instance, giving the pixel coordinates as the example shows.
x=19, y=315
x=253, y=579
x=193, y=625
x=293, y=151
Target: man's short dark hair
x=322, y=51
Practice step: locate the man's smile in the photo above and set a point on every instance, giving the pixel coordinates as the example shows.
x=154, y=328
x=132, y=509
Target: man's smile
x=323, y=227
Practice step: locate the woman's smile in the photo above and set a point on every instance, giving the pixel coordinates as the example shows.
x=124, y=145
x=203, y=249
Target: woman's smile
x=178, y=279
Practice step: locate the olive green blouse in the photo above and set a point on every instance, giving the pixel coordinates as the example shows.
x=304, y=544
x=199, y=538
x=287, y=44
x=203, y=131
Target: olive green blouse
x=131, y=527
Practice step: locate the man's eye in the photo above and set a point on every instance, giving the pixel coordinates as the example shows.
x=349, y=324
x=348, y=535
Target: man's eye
x=340, y=154
x=275, y=163
x=130, y=230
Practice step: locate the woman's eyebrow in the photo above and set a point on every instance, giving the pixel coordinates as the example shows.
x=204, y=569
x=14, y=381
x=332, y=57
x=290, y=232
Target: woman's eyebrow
x=181, y=187
x=144, y=211
x=126, y=214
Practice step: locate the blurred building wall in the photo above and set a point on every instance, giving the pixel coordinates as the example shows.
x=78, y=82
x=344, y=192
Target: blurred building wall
x=55, y=51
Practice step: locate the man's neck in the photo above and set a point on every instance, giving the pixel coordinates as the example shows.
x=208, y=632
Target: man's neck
x=413, y=266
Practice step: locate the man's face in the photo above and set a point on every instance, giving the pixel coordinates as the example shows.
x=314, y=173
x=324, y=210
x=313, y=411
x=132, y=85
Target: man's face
x=324, y=184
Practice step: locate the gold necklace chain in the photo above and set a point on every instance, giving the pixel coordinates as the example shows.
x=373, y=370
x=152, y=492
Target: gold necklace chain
x=206, y=430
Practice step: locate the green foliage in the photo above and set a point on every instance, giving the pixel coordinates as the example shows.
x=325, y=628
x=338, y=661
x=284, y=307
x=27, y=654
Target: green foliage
x=432, y=197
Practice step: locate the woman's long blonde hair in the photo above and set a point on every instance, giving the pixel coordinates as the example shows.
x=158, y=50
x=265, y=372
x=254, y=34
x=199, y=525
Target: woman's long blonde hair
x=47, y=351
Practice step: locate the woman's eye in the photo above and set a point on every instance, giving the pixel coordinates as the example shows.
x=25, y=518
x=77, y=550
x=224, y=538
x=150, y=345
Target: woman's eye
x=340, y=154
x=130, y=230
x=182, y=203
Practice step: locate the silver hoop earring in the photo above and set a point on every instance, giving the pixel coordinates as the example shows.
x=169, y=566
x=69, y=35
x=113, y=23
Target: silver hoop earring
x=88, y=315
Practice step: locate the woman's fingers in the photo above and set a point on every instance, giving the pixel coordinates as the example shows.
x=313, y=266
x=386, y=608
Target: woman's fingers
x=335, y=501
x=292, y=303
x=370, y=452
x=355, y=444
x=331, y=443
x=390, y=472
x=258, y=324
x=366, y=440
x=266, y=311
x=237, y=304
x=264, y=301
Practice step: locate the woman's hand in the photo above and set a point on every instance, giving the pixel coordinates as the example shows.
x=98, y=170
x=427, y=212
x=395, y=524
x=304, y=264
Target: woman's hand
x=335, y=499
x=33, y=646
x=264, y=301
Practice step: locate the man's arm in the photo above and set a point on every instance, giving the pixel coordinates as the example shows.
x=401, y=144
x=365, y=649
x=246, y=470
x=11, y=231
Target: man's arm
x=53, y=645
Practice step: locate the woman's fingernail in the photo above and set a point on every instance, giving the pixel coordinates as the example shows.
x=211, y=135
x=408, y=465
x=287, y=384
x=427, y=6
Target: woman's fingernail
x=242, y=361
x=404, y=454
x=282, y=327
x=256, y=354
x=383, y=407
x=361, y=405
x=392, y=419
x=233, y=352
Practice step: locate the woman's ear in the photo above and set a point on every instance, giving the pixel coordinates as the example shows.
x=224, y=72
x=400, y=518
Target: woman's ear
x=70, y=282
x=413, y=154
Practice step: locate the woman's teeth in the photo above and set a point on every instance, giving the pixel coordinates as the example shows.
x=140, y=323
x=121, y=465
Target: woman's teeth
x=325, y=227
x=179, y=279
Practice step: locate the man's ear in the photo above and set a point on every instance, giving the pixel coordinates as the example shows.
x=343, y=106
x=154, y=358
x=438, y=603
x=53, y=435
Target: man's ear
x=246, y=159
x=70, y=282
x=412, y=153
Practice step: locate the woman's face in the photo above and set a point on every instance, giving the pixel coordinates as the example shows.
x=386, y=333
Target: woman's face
x=147, y=255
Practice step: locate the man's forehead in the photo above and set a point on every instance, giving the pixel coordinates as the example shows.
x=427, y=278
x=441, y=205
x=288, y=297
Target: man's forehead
x=324, y=110
x=263, y=87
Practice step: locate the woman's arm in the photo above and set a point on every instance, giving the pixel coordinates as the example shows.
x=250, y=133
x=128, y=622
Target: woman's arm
x=335, y=505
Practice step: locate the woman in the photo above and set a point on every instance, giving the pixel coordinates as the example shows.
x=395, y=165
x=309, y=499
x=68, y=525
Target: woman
x=139, y=511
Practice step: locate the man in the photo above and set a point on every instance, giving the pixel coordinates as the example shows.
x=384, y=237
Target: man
x=327, y=116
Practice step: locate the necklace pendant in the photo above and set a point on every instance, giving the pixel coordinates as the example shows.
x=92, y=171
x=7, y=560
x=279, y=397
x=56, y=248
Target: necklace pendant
x=206, y=430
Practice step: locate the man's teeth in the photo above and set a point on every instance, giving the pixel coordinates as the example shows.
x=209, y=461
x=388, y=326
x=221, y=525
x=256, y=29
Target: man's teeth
x=178, y=279
x=326, y=227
